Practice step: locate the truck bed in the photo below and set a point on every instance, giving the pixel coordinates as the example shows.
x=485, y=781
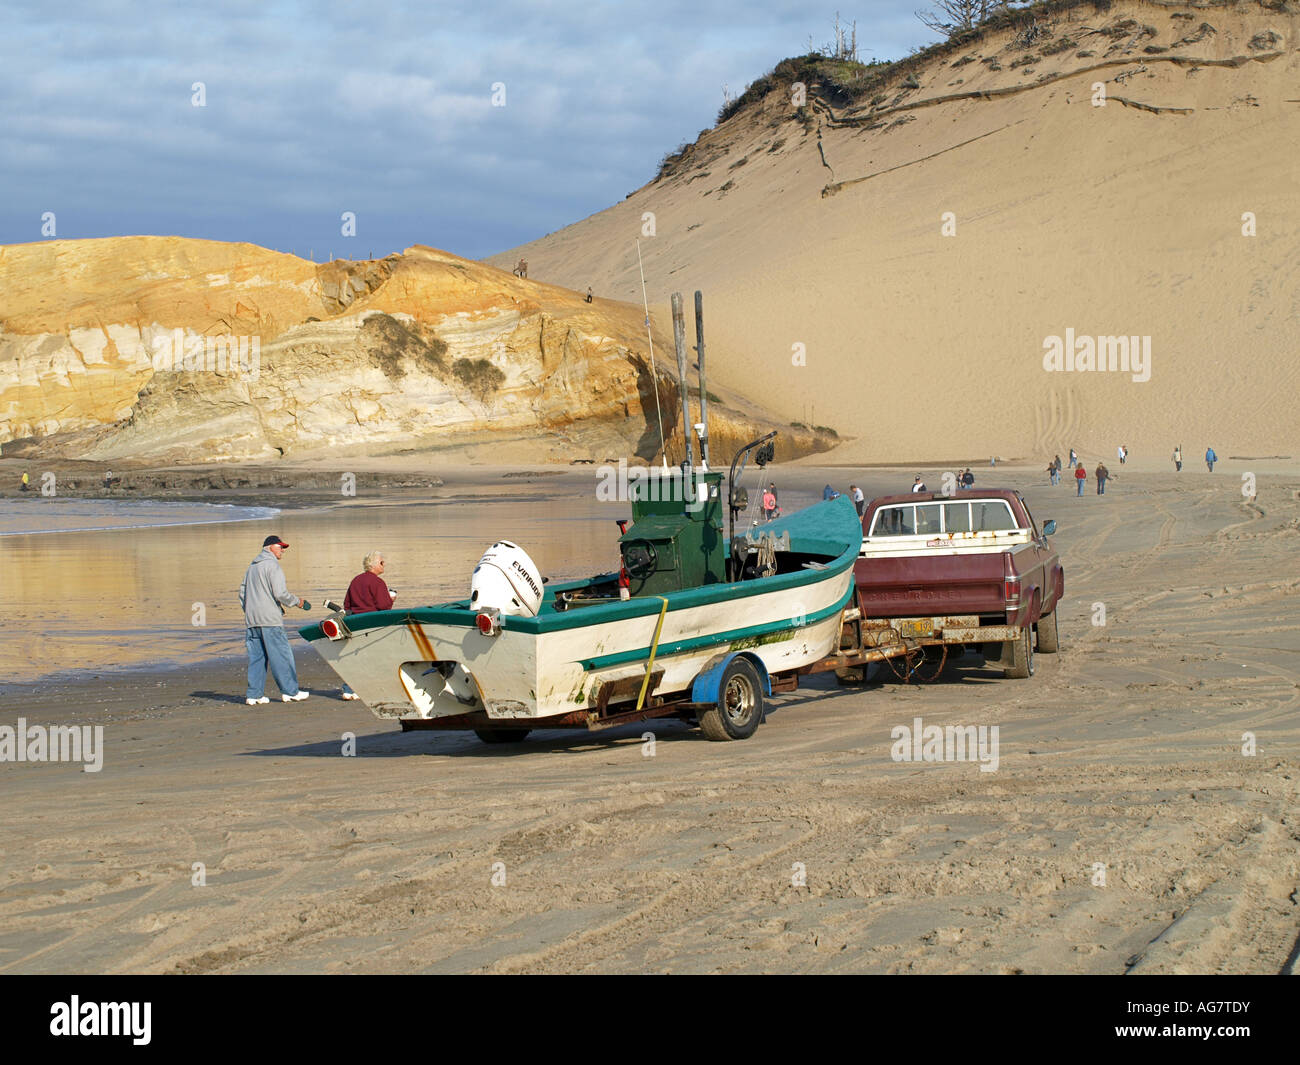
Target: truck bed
x=972, y=553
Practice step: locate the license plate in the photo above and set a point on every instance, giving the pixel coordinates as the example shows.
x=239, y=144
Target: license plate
x=915, y=629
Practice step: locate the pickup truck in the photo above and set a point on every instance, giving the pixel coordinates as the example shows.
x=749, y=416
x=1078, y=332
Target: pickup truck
x=967, y=570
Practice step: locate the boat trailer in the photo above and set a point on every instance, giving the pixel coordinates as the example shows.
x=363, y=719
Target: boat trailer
x=862, y=642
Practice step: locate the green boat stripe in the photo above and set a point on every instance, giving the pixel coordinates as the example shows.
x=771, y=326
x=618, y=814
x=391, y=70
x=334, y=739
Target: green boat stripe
x=714, y=639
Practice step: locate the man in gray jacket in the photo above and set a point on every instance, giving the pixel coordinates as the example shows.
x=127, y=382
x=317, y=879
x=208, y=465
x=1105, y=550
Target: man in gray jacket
x=263, y=595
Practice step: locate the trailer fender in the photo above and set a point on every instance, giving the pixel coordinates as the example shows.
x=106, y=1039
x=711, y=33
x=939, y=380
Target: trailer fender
x=706, y=688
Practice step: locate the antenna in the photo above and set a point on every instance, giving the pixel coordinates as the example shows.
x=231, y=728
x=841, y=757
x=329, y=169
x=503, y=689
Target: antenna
x=654, y=376
x=703, y=427
x=679, y=339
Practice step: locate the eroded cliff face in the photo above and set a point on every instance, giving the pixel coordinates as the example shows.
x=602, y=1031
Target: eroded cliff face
x=166, y=349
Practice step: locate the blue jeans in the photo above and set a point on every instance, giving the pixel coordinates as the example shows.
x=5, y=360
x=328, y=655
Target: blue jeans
x=1079, y=482
x=268, y=643
x=1101, y=486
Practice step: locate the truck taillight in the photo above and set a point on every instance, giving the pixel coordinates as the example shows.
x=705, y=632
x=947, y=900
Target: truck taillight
x=1011, y=589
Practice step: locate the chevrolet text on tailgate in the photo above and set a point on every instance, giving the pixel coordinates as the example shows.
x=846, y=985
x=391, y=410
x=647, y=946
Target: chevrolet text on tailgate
x=967, y=571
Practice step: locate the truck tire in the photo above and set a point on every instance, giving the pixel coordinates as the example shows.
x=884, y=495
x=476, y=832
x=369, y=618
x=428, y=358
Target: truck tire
x=739, y=709
x=502, y=735
x=1019, y=654
x=1048, y=638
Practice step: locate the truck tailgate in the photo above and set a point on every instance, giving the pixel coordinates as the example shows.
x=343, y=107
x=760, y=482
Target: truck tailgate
x=916, y=585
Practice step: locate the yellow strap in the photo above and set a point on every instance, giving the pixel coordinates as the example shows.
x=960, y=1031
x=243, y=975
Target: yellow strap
x=654, y=646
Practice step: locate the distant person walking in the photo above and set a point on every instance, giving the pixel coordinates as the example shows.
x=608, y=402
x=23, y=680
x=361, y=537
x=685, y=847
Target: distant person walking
x=1080, y=475
x=769, y=504
x=918, y=485
x=1121, y=453
x=967, y=478
x=1178, y=458
x=1074, y=459
x=1053, y=474
x=588, y=296
x=521, y=268
x=367, y=593
x=1102, y=475
x=859, y=500
x=1210, y=458
x=23, y=486
x=108, y=479
x=263, y=596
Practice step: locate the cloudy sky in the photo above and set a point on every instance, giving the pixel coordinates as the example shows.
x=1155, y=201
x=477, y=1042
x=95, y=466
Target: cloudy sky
x=384, y=110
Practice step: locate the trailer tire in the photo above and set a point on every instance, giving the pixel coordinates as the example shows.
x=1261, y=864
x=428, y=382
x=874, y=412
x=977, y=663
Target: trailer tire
x=739, y=709
x=502, y=735
x=1022, y=655
x=1049, y=641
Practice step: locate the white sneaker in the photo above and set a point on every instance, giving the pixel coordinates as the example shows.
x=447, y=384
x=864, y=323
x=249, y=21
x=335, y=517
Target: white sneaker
x=351, y=695
x=254, y=702
x=295, y=698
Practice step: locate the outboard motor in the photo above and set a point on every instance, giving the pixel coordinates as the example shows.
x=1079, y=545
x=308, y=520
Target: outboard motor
x=506, y=582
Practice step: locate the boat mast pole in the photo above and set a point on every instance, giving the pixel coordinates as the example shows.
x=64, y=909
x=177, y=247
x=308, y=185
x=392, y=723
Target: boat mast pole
x=679, y=340
x=704, y=392
x=654, y=375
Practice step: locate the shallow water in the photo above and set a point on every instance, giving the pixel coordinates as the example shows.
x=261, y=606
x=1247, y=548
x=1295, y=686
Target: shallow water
x=35, y=513
x=108, y=600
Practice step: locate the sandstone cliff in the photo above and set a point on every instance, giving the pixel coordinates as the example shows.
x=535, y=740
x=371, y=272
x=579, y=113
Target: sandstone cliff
x=171, y=350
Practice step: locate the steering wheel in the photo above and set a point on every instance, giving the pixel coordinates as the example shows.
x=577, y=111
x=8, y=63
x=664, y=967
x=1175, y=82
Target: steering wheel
x=640, y=559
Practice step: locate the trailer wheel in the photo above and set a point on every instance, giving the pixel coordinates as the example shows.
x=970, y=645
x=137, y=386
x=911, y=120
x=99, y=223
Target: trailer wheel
x=502, y=735
x=1022, y=655
x=739, y=708
x=1048, y=637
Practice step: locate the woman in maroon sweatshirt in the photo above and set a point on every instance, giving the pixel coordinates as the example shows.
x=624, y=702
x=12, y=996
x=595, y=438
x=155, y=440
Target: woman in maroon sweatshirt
x=367, y=593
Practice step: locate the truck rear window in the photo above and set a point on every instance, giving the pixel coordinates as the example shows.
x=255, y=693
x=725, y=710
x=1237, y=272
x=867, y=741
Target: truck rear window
x=922, y=519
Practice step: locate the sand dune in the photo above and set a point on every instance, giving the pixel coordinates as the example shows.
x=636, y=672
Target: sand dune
x=826, y=229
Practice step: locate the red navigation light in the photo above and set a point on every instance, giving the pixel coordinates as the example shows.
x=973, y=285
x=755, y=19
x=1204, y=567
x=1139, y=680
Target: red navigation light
x=330, y=628
x=489, y=624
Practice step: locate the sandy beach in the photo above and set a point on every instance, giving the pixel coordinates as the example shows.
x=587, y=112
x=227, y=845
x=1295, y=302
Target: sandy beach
x=1124, y=829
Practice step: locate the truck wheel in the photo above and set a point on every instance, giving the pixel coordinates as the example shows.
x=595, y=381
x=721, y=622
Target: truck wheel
x=739, y=708
x=1048, y=638
x=502, y=735
x=1022, y=655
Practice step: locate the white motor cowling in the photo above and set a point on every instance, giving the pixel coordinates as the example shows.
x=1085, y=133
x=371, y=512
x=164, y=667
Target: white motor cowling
x=507, y=580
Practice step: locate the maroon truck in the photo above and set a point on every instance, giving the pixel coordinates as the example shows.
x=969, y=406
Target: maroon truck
x=970, y=570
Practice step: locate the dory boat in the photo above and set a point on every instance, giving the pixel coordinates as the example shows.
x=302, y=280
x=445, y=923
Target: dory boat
x=695, y=624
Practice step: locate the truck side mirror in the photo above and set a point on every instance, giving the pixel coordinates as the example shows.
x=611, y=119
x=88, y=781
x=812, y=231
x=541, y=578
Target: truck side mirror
x=1049, y=527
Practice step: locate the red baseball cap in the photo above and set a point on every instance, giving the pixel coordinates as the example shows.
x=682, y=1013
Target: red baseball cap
x=272, y=540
